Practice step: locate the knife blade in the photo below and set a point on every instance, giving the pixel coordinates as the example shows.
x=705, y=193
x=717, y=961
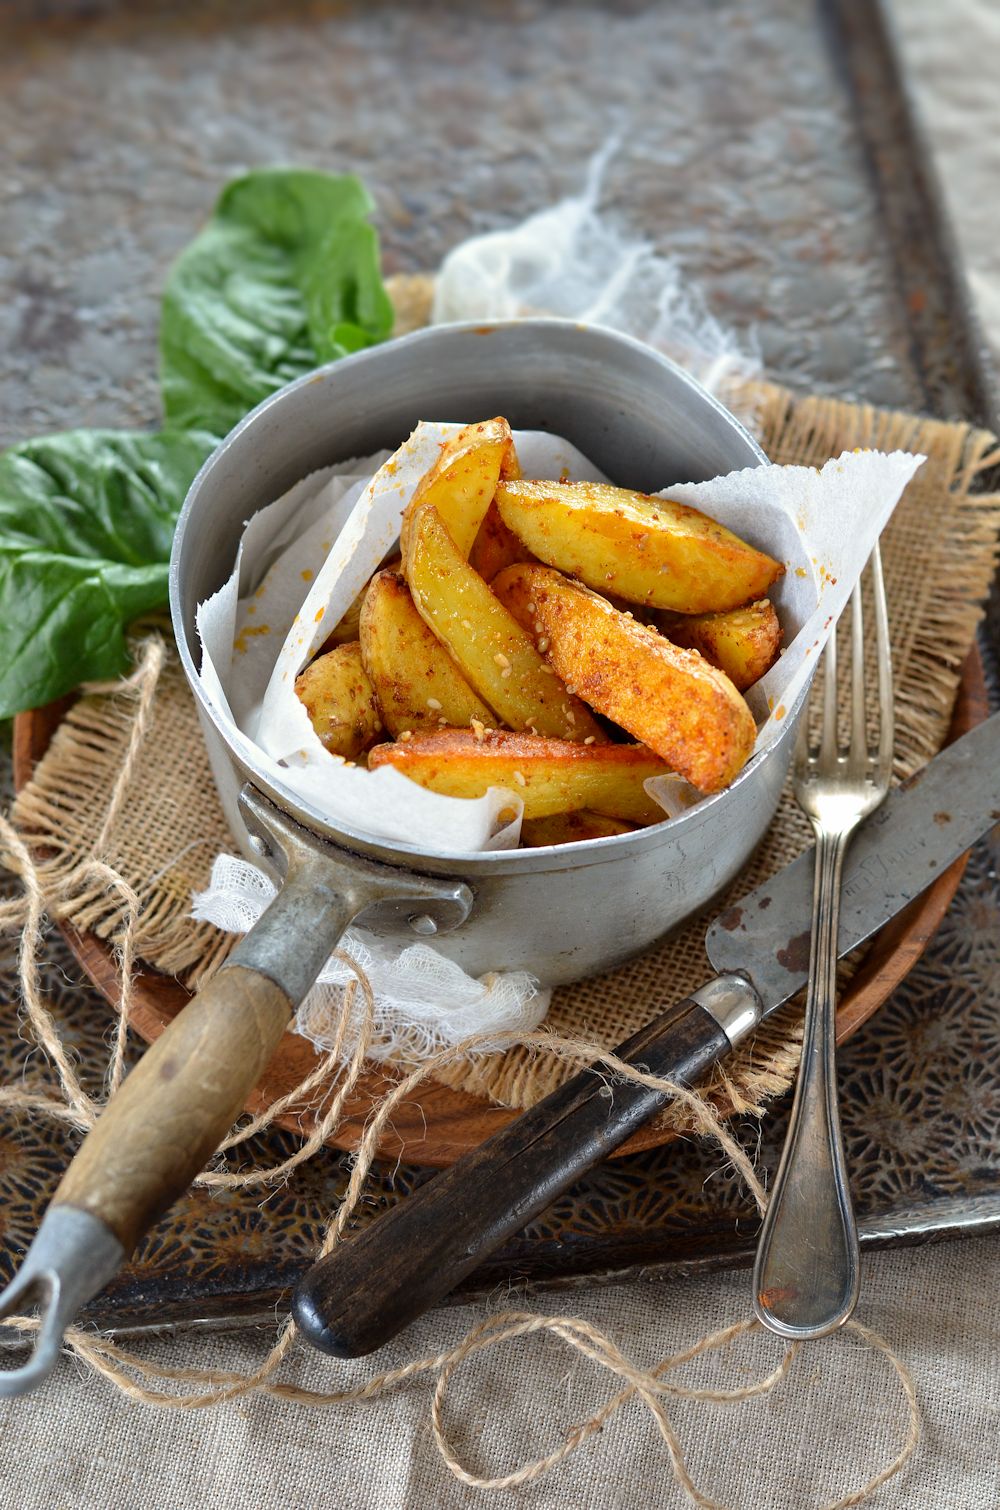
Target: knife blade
x=921, y=828
x=378, y=1281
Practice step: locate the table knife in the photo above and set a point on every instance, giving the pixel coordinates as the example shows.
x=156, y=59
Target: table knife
x=379, y=1280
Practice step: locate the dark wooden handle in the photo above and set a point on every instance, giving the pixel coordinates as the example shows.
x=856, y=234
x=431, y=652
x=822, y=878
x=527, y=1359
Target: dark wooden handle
x=379, y=1281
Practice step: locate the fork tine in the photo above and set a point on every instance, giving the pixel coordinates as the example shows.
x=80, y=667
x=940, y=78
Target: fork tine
x=859, y=725
x=828, y=738
x=801, y=753
x=886, y=706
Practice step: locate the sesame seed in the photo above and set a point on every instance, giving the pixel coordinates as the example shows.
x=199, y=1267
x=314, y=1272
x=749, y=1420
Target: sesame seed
x=406, y=734
x=519, y=779
x=543, y=644
x=590, y=739
x=570, y=716
x=532, y=608
x=434, y=705
x=478, y=729
x=501, y=659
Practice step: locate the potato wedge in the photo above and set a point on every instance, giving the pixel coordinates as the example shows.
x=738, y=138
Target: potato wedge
x=495, y=655
x=462, y=481
x=671, y=699
x=496, y=547
x=340, y=701
x=645, y=549
x=549, y=775
x=743, y=643
x=347, y=630
x=417, y=684
x=570, y=828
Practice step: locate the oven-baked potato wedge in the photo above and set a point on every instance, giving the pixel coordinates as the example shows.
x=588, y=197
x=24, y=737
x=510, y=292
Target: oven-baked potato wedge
x=348, y=628
x=346, y=631
x=549, y=775
x=647, y=550
x=417, y=684
x=496, y=546
x=671, y=699
x=495, y=655
x=571, y=828
x=340, y=701
x=463, y=480
x=744, y=642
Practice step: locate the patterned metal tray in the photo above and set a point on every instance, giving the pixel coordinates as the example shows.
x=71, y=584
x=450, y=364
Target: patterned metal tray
x=773, y=149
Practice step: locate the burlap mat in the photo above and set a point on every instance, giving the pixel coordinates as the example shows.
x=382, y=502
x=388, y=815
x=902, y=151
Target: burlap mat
x=939, y=558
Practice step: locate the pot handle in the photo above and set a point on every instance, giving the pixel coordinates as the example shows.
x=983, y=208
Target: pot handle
x=378, y=1281
x=173, y=1110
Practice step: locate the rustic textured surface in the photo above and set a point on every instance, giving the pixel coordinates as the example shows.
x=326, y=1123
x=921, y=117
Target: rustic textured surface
x=741, y=154
x=107, y=161
x=745, y=152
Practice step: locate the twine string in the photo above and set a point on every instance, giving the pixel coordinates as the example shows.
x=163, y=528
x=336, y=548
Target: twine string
x=139, y=1379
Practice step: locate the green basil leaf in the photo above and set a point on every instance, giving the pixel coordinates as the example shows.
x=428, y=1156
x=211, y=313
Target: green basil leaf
x=86, y=522
x=285, y=276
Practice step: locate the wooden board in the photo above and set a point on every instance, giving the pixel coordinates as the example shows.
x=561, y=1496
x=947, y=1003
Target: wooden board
x=439, y=1124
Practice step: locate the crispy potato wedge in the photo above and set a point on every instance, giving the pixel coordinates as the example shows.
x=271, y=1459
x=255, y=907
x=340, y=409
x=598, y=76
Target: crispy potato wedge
x=549, y=775
x=495, y=655
x=645, y=549
x=347, y=630
x=462, y=481
x=743, y=643
x=340, y=701
x=496, y=547
x=570, y=828
x=417, y=684
x=670, y=698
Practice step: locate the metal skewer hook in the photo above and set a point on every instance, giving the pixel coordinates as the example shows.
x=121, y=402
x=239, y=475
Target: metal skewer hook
x=72, y=1258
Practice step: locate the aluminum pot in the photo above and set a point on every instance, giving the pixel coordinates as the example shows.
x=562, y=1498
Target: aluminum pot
x=562, y=911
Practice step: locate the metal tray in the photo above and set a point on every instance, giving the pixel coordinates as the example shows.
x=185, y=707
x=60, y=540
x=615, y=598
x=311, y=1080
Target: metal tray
x=774, y=151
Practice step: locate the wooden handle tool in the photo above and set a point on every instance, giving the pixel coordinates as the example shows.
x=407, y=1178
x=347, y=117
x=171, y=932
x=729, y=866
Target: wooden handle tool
x=173, y=1110
x=376, y=1283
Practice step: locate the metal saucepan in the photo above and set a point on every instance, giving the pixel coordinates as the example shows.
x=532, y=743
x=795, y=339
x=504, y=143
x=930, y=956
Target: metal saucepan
x=561, y=912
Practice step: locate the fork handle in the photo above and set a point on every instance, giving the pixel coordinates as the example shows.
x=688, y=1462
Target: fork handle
x=805, y=1280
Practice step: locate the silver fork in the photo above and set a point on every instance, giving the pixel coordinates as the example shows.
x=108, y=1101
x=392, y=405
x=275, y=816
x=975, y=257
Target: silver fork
x=805, y=1278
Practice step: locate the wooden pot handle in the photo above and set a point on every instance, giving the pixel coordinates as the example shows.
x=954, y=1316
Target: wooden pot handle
x=171, y=1113
x=174, y=1109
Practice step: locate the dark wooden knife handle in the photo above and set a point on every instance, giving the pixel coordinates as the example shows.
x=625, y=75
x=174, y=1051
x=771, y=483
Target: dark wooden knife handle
x=380, y=1280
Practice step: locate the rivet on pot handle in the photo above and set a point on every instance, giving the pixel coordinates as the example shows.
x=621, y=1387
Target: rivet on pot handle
x=173, y=1110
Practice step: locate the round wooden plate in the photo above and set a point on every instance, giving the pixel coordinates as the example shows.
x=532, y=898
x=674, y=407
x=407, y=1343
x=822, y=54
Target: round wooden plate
x=439, y=1124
